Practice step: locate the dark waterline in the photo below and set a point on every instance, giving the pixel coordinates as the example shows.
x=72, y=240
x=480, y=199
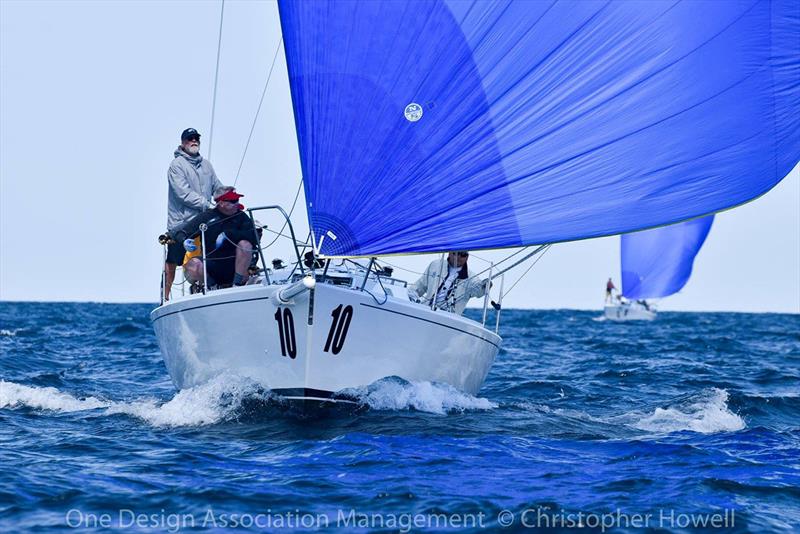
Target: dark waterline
x=695, y=413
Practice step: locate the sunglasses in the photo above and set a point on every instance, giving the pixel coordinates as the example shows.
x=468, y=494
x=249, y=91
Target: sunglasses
x=194, y=138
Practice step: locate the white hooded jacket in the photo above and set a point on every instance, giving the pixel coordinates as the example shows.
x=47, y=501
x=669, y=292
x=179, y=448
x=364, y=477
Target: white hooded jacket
x=192, y=182
x=465, y=287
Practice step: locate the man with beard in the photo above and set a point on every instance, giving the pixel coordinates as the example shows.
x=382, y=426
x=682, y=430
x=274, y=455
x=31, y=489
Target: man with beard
x=192, y=181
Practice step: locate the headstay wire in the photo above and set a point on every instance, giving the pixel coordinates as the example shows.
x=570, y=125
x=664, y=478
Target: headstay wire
x=216, y=79
x=258, y=110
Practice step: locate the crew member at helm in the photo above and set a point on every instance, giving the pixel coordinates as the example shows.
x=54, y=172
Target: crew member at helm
x=450, y=283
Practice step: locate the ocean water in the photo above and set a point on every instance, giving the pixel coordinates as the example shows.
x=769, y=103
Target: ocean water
x=691, y=420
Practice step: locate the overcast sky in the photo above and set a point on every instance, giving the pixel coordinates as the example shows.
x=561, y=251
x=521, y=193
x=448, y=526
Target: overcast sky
x=94, y=95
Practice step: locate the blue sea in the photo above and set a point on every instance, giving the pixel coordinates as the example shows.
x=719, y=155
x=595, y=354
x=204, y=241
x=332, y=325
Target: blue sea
x=691, y=422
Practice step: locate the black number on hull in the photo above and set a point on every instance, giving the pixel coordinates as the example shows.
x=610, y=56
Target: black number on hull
x=339, y=327
x=286, y=332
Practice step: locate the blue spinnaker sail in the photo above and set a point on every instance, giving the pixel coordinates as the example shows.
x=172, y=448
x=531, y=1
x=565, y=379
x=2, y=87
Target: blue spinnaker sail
x=657, y=263
x=444, y=125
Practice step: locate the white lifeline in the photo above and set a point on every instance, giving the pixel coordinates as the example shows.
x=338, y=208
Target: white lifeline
x=322, y=341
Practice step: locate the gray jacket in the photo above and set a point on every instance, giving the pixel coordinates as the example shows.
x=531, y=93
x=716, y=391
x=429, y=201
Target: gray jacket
x=192, y=181
x=465, y=287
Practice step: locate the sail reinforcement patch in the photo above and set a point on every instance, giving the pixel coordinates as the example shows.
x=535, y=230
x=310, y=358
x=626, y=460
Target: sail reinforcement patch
x=413, y=112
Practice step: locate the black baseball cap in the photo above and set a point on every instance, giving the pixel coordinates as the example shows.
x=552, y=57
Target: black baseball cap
x=189, y=133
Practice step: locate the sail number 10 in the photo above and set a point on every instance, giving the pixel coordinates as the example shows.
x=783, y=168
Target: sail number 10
x=342, y=315
x=339, y=326
x=286, y=332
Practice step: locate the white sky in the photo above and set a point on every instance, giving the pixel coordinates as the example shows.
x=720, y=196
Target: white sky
x=94, y=95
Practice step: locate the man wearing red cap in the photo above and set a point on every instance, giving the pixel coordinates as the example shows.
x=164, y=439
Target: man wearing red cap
x=229, y=239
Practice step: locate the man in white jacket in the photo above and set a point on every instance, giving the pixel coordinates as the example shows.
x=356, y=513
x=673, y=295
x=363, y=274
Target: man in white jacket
x=450, y=283
x=192, y=182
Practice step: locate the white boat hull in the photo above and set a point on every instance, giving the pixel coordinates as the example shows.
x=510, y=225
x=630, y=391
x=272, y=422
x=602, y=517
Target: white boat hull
x=239, y=331
x=627, y=312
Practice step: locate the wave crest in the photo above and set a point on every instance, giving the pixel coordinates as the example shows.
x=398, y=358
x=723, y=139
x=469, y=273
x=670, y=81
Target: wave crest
x=397, y=394
x=227, y=398
x=14, y=395
x=707, y=415
x=213, y=402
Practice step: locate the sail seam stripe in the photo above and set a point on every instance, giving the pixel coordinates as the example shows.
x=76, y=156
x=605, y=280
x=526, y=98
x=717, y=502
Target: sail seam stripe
x=415, y=225
x=632, y=86
x=609, y=143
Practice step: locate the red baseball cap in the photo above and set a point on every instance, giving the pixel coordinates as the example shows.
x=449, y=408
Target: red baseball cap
x=231, y=195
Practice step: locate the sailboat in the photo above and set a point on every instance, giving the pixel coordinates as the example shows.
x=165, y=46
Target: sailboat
x=437, y=125
x=656, y=263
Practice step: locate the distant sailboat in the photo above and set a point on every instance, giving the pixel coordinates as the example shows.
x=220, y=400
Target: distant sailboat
x=442, y=125
x=655, y=264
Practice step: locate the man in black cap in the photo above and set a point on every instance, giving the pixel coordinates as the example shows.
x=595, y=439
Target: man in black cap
x=192, y=182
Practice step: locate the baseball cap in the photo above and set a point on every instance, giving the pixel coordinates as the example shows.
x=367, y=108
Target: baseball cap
x=231, y=195
x=189, y=133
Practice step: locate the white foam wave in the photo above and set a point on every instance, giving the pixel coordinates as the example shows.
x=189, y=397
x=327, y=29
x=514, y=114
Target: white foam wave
x=599, y=318
x=707, y=415
x=8, y=333
x=14, y=395
x=209, y=403
x=396, y=394
x=220, y=398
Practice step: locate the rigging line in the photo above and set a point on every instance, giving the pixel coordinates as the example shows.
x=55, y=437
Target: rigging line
x=260, y=102
x=297, y=263
x=398, y=267
x=545, y=249
x=216, y=79
x=474, y=276
x=523, y=249
x=385, y=293
x=526, y=271
x=538, y=249
x=288, y=217
x=279, y=235
x=473, y=255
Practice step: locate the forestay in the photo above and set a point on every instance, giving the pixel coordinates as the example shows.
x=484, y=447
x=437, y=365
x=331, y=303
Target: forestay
x=446, y=125
x=657, y=263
